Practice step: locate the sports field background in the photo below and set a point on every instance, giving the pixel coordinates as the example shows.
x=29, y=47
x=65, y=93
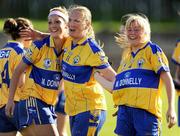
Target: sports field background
x=165, y=35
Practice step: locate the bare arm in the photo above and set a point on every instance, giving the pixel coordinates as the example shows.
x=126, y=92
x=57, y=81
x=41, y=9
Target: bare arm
x=106, y=78
x=32, y=34
x=18, y=72
x=21, y=80
x=105, y=83
x=108, y=73
x=170, y=90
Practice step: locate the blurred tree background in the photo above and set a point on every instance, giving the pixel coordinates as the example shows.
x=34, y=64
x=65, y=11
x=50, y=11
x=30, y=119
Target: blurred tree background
x=156, y=10
x=164, y=16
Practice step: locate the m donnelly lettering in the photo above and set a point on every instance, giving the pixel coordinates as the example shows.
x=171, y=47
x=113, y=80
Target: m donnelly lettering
x=49, y=83
x=128, y=81
x=68, y=75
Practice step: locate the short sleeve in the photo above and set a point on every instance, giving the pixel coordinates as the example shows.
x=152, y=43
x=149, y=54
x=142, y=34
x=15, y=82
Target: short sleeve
x=176, y=54
x=31, y=55
x=15, y=60
x=98, y=60
x=159, y=60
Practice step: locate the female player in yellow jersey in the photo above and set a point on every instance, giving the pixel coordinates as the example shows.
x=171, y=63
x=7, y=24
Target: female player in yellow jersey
x=92, y=104
x=137, y=88
x=42, y=65
x=176, y=60
x=85, y=101
x=10, y=56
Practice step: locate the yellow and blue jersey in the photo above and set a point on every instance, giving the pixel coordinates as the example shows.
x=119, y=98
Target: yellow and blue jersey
x=43, y=74
x=176, y=54
x=82, y=91
x=10, y=56
x=138, y=82
x=176, y=57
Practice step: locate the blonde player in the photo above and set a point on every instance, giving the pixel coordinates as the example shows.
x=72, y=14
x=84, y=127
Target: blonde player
x=85, y=101
x=137, y=89
x=42, y=65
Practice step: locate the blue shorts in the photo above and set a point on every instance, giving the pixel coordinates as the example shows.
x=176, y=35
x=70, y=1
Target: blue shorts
x=87, y=123
x=133, y=121
x=9, y=124
x=179, y=111
x=33, y=109
x=60, y=104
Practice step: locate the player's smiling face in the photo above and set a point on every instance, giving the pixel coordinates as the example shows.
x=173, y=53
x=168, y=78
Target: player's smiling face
x=135, y=33
x=77, y=25
x=56, y=26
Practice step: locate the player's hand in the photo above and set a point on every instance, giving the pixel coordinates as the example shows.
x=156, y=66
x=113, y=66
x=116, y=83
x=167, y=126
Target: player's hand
x=171, y=118
x=9, y=109
x=28, y=34
x=32, y=34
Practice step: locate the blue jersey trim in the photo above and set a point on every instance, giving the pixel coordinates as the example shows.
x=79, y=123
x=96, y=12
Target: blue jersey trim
x=155, y=48
x=137, y=78
x=75, y=45
x=165, y=68
x=103, y=66
x=25, y=60
x=175, y=62
x=93, y=124
x=76, y=74
x=40, y=43
x=17, y=48
x=94, y=46
x=134, y=54
x=58, y=54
